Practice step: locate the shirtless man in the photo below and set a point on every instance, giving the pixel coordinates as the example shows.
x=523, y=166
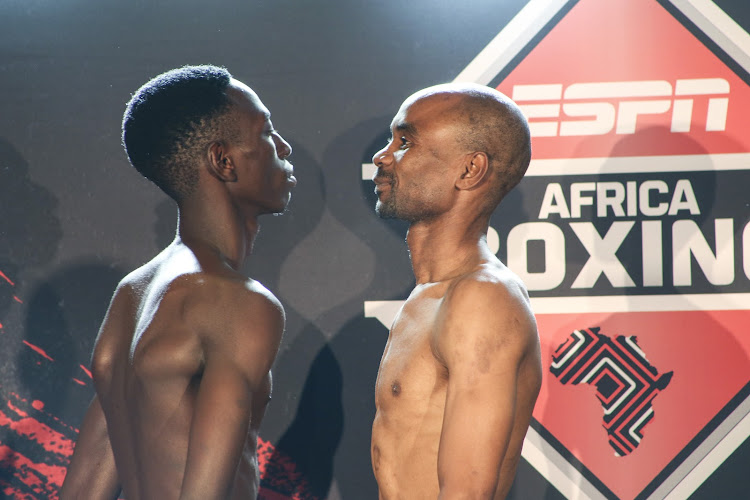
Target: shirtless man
x=182, y=361
x=461, y=369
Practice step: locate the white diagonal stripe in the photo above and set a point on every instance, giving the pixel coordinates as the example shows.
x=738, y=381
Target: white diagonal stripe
x=510, y=41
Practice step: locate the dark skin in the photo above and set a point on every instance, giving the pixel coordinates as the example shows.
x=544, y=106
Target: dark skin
x=182, y=361
x=461, y=370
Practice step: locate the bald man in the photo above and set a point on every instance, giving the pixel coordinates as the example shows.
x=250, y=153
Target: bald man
x=182, y=362
x=461, y=370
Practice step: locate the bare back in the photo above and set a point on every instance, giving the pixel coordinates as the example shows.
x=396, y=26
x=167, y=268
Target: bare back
x=456, y=386
x=166, y=322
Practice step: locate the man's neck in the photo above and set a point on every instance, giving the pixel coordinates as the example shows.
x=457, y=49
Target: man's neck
x=442, y=249
x=219, y=226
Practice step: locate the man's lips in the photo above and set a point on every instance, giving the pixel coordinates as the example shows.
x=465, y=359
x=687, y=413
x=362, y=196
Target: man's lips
x=290, y=174
x=382, y=180
x=381, y=183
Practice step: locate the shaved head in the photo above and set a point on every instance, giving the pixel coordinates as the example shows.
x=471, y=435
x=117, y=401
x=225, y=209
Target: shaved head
x=488, y=122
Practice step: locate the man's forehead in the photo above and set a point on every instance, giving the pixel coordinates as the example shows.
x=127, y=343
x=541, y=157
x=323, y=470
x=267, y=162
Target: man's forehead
x=424, y=108
x=401, y=124
x=246, y=99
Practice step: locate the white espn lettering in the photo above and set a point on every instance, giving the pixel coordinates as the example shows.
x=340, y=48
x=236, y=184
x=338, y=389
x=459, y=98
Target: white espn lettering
x=688, y=243
x=650, y=198
x=617, y=105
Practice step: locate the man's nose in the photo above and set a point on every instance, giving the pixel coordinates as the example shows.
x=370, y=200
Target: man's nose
x=381, y=157
x=283, y=148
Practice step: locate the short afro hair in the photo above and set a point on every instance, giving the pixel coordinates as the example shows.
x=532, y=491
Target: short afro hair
x=170, y=121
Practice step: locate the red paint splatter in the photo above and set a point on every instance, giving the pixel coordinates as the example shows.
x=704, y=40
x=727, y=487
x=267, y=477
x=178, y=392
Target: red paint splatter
x=39, y=350
x=79, y=382
x=49, y=415
x=17, y=300
x=25, y=477
x=266, y=494
x=86, y=371
x=9, y=492
x=34, y=430
x=39, y=477
x=280, y=478
x=17, y=409
x=2, y=275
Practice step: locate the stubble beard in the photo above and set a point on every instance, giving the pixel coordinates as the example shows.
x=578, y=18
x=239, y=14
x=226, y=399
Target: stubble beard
x=406, y=211
x=386, y=210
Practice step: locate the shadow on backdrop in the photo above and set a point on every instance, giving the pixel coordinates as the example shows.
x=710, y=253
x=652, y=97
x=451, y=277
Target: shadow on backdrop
x=312, y=439
x=29, y=227
x=63, y=317
x=358, y=347
x=45, y=388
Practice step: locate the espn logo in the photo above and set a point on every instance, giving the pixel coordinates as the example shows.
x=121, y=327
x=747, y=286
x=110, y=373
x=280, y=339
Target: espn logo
x=597, y=108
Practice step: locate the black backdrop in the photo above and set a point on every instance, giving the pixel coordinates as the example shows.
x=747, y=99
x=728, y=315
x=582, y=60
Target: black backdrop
x=76, y=217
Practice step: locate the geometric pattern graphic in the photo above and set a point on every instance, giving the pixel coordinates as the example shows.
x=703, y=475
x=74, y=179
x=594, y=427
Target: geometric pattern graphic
x=625, y=382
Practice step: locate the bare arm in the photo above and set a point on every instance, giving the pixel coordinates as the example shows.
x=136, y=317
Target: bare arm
x=239, y=353
x=483, y=337
x=92, y=473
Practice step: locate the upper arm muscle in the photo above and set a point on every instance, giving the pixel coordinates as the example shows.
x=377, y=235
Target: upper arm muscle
x=239, y=349
x=484, y=334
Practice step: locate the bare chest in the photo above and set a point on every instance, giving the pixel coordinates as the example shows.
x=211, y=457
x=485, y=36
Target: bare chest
x=410, y=368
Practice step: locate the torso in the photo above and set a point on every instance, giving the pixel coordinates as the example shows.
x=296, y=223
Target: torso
x=410, y=395
x=148, y=363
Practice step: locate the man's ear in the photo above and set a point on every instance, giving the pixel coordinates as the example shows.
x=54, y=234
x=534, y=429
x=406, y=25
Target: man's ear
x=475, y=170
x=220, y=164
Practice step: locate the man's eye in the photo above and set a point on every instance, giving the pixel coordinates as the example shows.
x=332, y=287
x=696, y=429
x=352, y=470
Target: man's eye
x=404, y=143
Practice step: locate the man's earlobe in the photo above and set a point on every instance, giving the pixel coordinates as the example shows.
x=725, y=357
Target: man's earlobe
x=475, y=171
x=220, y=164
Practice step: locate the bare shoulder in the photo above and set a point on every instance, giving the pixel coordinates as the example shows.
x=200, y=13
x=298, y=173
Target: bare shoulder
x=253, y=299
x=491, y=302
x=125, y=301
x=488, y=289
x=260, y=307
x=116, y=330
x=130, y=290
x=232, y=310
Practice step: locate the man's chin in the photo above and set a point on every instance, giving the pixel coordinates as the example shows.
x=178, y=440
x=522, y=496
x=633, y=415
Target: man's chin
x=385, y=211
x=280, y=209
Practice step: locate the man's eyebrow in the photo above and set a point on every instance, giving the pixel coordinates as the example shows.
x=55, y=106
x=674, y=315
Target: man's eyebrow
x=407, y=127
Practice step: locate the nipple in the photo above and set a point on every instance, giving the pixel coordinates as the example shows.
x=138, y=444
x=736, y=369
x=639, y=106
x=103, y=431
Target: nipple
x=396, y=389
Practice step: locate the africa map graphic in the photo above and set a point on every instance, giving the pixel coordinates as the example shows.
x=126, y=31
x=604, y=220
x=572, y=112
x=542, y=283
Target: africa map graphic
x=625, y=381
